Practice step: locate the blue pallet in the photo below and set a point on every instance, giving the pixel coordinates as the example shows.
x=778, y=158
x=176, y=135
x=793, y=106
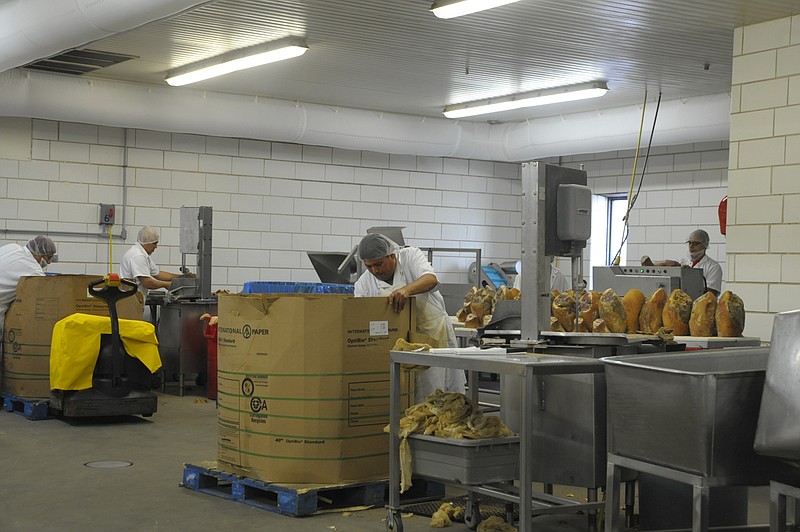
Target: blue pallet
x=296, y=500
x=30, y=408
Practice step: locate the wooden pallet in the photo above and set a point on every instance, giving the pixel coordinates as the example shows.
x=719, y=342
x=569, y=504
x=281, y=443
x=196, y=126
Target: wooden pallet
x=30, y=408
x=299, y=499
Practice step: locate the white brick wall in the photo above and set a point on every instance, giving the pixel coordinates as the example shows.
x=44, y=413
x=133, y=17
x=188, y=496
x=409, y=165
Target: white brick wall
x=272, y=201
x=763, y=246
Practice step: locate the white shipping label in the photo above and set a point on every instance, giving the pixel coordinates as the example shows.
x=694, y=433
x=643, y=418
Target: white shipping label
x=379, y=328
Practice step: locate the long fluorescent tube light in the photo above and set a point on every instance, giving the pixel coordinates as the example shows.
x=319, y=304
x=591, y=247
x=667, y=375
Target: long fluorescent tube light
x=253, y=56
x=527, y=99
x=457, y=8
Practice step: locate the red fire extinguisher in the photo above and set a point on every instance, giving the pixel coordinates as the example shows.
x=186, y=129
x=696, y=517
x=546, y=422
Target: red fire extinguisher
x=723, y=215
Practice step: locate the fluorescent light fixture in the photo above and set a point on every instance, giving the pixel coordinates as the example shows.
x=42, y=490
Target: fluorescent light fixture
x=568, y=93
x=253, y=56
x=457, y=8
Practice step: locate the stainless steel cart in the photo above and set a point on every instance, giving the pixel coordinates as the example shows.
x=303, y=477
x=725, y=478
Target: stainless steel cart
x=521, y=365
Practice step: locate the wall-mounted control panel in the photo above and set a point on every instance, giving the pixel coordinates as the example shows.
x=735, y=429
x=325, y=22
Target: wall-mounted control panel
x=107, y=212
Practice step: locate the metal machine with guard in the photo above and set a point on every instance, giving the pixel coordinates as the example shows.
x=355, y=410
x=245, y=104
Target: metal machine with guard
x=648, y=279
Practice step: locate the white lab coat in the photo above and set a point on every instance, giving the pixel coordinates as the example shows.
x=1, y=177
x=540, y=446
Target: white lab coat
x=137, y=263
x=15, y=261
x=432, y=317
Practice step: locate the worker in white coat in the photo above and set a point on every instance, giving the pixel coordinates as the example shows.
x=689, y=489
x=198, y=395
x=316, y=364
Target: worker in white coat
x=398, y=274
x=20, y=261
x=138, y=265
x=698, y=242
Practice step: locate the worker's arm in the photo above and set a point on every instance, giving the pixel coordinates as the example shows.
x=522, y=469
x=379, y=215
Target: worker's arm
x=153, y=283
x=398, y=298
x=646, y=261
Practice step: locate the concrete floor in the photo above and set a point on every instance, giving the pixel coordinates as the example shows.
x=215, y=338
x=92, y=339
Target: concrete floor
x=45, y=486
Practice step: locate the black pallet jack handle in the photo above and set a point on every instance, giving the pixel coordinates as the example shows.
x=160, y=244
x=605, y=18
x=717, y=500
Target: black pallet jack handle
x=111, y=292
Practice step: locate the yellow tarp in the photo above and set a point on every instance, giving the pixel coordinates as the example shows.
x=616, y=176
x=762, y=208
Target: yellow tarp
x=76, y=346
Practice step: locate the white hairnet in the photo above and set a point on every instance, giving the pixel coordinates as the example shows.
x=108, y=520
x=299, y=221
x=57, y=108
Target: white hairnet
x=147, y=235
x=376, y=246
x=41, y=245
x=699, y=236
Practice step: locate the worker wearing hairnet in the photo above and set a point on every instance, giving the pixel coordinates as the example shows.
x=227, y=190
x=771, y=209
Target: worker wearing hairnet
x=137, y=263
x=19, y=261
x=398, y=274
x=698, y=242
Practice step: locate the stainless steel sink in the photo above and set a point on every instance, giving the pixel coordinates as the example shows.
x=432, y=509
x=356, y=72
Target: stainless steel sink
x=694, y=412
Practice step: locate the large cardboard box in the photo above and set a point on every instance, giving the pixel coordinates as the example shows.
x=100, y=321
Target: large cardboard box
x=304, y=386
x=39, y=304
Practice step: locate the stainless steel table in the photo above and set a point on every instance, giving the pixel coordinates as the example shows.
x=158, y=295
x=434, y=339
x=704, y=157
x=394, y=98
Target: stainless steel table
x=524, y=366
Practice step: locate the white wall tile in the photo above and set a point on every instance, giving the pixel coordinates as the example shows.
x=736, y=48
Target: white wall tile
x=188, y=181
x=284, y=224
x=287, y=152
x=150, y=197
x=394, y=212
x=374, y=194
x=787, y=120
x=765, y=152
x=252, y=257
x=448, y=199
x=315, y=190
x=403, y=196
x=338, y=209
x=479, y=201
x=67, y=191
x=793, y=149
x=658, y=199
x=456, y=166
x=181, y=161
x=254, y=185
x=278, y=205
x=791, y=210
x=338, y=174
x=367, y=176
x=794, y=90
x=247, y=166
x=346, y=157
x=395, y=178
x=756, y=268
x=181, y=198
x=188, y=143
x=481, y=168
x=315, y=225
x=783, y=297
x=82, y=133
x=255, y=222
x=789, y=61
x=507, y=170
x=785, y=179
x=790, y=268
x=748, y=239
x=783, y=238
x=274, y=240
x=44, y=129
x=421, y=180
x=220, y=164
x=448, y=182
x=752, y=125
x=766, y=35
x=222, y=146
x=246, y=203
x=749, y=181
x=754, y=67
x=279, y=168
x=688, y=161
x=317, y=154
x=258, y=149
x=759, y=210
x=113, y=155
x=145, y=158
x=25, y=189
x=310, y=207
x=345, y=192
x=430, y=164
x=285, y=187
x=82, y=213
x=69, y=151
x=399, y=161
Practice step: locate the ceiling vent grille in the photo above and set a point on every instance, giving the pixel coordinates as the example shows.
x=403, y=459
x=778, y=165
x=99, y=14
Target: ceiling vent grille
x=78, y=62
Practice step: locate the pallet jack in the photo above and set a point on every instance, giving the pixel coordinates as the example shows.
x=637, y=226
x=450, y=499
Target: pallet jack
x=121, y=384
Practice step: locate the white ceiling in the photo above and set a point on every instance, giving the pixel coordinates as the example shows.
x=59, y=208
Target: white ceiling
x=395, y=56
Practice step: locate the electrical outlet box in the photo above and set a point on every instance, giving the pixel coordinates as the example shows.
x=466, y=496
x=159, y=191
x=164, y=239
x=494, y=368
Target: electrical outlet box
x=107, y=212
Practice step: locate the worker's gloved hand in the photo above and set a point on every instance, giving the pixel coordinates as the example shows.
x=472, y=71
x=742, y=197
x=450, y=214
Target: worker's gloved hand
x=398, y=298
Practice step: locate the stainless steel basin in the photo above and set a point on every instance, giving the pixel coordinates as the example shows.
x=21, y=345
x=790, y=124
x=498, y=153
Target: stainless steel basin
x=694, y=412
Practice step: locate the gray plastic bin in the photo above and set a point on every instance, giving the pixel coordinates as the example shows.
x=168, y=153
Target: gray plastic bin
x=465, y=461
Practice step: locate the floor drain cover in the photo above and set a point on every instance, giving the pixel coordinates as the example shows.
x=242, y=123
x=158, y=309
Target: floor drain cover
x=109, y=464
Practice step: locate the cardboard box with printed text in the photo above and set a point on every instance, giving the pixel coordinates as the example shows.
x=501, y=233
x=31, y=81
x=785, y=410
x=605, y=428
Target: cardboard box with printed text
x=304, y=386
x=41, y=302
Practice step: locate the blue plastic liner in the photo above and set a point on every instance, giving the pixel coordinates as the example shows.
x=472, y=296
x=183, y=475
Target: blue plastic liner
x=287, y=287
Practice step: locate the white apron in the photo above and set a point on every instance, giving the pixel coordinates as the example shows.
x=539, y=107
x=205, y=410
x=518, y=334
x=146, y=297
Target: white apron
x=435, y=323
